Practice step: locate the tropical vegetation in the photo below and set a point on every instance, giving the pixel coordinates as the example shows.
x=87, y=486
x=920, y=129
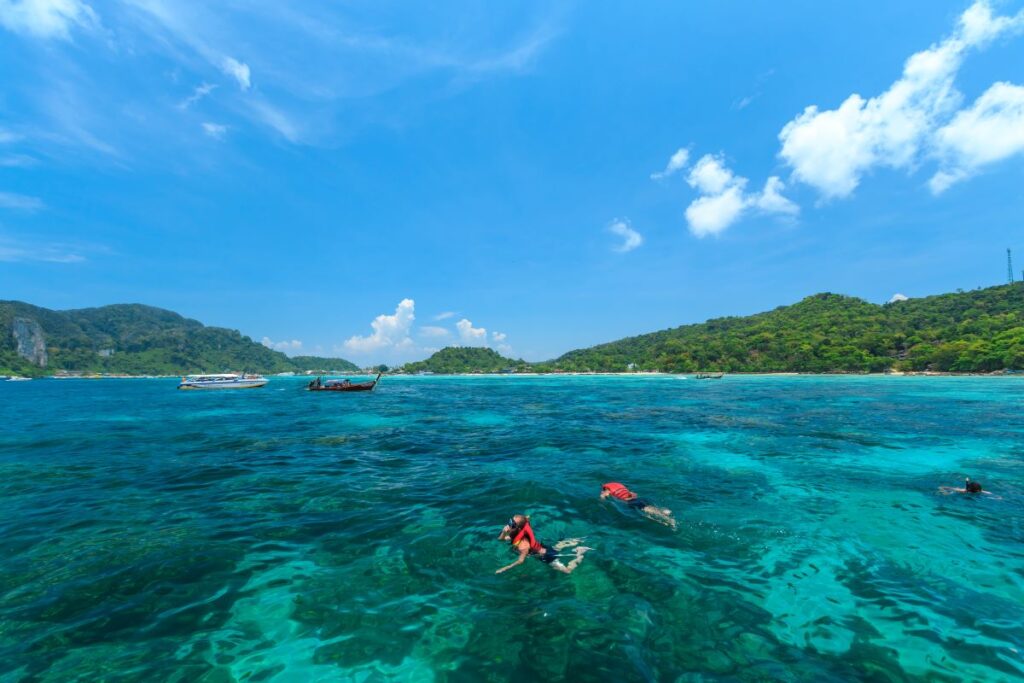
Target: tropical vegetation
x=466, y=359
x=132, y=339
x=975, y=331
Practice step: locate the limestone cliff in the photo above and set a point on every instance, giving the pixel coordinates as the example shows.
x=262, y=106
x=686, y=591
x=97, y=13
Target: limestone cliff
x=29, y=340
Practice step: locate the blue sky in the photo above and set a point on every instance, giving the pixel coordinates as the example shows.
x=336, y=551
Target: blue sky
x=376, y=180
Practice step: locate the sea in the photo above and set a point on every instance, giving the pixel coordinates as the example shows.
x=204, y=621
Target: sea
x=149, y=534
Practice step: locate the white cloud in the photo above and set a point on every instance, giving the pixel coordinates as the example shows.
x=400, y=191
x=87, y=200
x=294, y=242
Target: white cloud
x=199, y=93
x=46, y=18
x=433, y=332
x=14, y=251
x=631, y=239
x=711, y=176
x=215, y=130
x=676, y=162
x=445, y=315
x=710, y=215
x=469, y=335
x=237, y=70
x=831, y=150
x=10, y=200
x=293, y=345
x=991, y=130
x=771, y=200
x=499, y=336
x=389, y=331
x=898, y=297
x=724, y=198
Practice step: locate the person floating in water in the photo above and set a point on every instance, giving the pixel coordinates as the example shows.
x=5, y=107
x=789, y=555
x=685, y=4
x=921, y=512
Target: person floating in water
x=969, y=487
x=620, y=492
x=519, y=533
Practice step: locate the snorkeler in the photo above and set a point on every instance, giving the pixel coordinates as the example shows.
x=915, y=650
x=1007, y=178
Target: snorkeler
x=658, y=514
x=519, y=533
x=969, y=487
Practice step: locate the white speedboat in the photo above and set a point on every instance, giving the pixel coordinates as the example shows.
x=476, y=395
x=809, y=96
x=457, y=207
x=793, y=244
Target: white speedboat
x=16, y=378
x=223, y=381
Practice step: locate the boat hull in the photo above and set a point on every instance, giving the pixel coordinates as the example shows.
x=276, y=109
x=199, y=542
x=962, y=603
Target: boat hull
x=338, y=386
x=351, y=387
x=214, y=386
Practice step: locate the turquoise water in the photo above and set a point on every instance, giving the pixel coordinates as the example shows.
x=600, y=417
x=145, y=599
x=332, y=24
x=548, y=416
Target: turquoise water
x=276, y=535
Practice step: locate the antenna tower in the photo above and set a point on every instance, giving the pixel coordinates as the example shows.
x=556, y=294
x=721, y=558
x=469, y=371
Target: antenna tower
x=1009, y=266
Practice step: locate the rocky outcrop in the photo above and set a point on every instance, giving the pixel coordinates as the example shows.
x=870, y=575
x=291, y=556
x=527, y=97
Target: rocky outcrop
x=28, y=337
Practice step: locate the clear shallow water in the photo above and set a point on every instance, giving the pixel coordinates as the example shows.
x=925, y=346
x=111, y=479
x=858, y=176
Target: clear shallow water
x=274, y=535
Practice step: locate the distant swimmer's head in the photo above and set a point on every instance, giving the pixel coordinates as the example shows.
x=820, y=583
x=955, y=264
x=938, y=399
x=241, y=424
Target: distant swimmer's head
x=973, y=486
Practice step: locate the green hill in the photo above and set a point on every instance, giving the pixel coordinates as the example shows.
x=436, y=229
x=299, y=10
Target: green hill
x=318, y=364
x=976, y=331
x=126, y=338
x=466, y=359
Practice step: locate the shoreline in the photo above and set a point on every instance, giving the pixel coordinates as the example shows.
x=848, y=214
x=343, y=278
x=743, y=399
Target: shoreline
x=681, y=375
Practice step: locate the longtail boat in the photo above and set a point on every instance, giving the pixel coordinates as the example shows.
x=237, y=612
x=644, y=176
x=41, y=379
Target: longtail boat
x=709, y=375
x=320, y=384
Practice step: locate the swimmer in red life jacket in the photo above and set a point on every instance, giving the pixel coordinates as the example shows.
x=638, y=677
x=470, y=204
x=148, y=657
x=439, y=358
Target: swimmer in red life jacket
x=620, y=492
x=519, y=533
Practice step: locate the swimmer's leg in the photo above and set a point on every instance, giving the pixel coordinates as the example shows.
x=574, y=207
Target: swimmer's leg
x=568, y=543
x=660, y=515
x=558, y=566
x=576, y=562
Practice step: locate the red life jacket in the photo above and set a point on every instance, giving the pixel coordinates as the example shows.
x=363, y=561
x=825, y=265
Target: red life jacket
x=527, y=531
x=619, y=491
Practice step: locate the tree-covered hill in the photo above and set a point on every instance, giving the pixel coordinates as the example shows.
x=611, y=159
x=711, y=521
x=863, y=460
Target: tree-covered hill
x=976, y=331
x=318, y=364
x=466, y=359
x=126, y=338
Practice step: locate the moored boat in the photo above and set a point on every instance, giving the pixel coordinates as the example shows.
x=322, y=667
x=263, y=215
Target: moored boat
x=320, y=384
x=222, y=381
x=709, y=375
x=16, y=378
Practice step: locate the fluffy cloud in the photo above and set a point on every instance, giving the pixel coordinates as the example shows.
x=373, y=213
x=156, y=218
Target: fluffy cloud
x=469, y=335
x=724, y=198
x=46, y=18
x=989, y=131
x=10, y=200
x=831, y=150
x=293, y=345
x=631, y=239
x=215, y=130
x=389, y=331
x=898, y=297
x=237, y=70
x=499, y=337
x=676, y=162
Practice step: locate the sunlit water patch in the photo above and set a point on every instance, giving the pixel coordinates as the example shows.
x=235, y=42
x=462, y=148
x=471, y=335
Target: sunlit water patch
x=275, y=535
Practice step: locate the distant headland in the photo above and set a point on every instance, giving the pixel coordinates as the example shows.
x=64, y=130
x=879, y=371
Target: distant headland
x=978, y=331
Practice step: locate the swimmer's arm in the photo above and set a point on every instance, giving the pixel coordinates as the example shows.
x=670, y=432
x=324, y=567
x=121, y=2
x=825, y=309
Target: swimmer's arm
x=523, y=552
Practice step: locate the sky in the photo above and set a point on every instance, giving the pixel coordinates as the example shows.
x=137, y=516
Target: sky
x=376, y=181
